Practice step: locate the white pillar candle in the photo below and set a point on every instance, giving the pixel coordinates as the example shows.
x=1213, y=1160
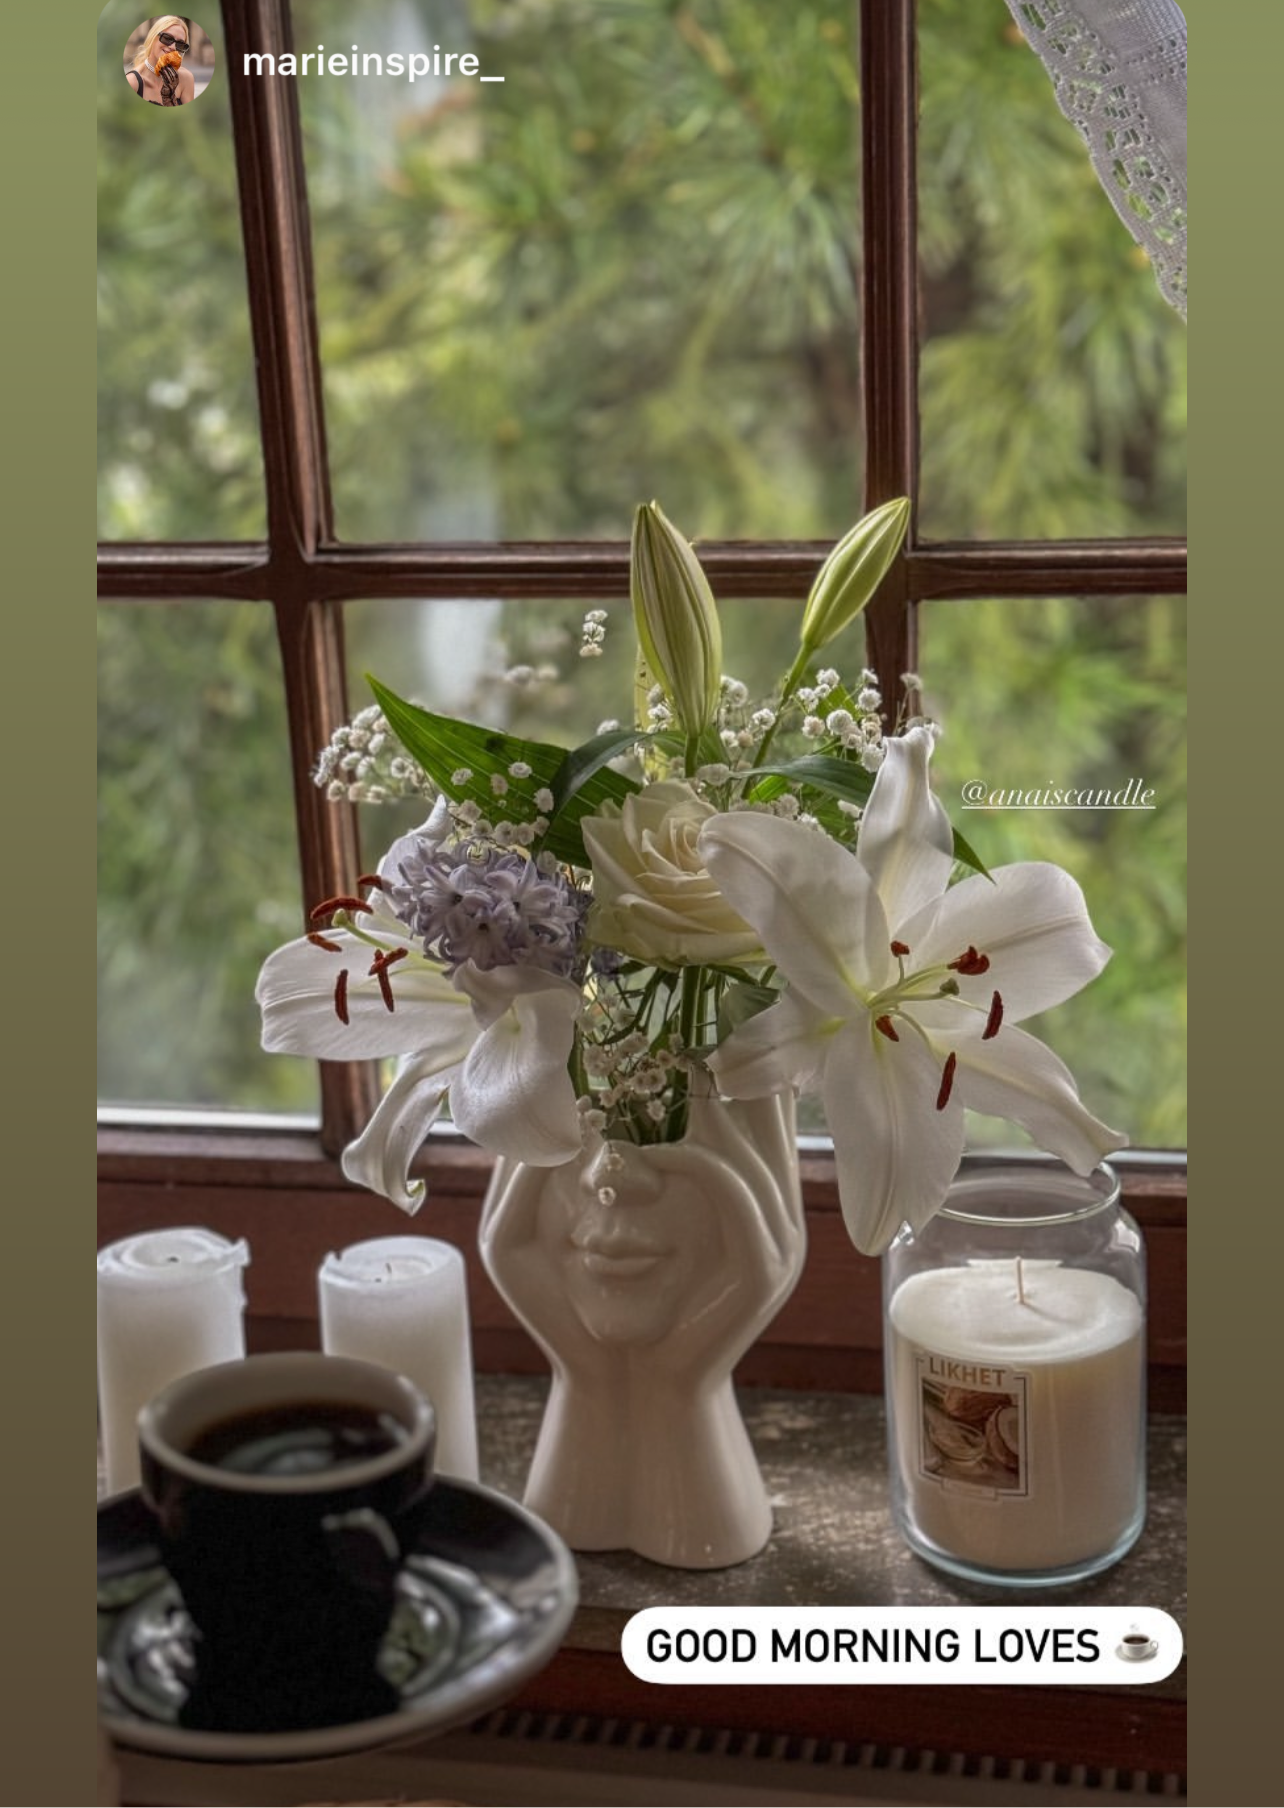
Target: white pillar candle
x=1018, y=1395
x=169, y=1301
x=403, y=1301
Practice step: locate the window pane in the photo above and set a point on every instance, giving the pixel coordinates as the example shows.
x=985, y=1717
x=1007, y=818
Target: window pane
x=627, y=271
x=197, y=872
x=1073, y=695
x=178, y=445
x=1053, y=379
x=517, y=665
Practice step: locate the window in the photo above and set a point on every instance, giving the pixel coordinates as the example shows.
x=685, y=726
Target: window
x=812, y=283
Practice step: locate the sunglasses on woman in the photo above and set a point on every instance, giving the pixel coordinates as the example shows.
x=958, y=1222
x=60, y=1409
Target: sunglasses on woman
x=178, y=44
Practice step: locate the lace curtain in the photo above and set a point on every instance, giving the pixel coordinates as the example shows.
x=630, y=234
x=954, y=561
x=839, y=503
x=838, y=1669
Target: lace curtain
x=1119, y=70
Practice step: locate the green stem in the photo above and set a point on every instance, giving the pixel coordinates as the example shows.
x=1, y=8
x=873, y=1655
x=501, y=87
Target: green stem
x=641, y=1003
x=688, y=1029
x=578, y=1071
x=797, y=672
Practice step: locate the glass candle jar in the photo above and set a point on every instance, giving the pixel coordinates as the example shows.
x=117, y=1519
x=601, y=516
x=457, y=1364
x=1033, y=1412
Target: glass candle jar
x=1014, y=1339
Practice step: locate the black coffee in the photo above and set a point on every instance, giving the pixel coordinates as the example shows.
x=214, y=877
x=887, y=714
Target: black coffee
x=306, y=1437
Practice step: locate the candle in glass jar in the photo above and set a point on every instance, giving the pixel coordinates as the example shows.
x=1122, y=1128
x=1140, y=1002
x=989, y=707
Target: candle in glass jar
x=1018, y=1395
x=169, y=1301
x=403, y=1302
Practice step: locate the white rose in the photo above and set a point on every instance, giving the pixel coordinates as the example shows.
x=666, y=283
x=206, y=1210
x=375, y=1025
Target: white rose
x=652, y=897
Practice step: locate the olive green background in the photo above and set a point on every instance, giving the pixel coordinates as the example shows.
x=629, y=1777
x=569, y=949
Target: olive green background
x=48, y=1741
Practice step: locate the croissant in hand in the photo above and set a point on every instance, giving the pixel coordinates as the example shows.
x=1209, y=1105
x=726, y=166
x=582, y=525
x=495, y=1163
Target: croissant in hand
x=168, y=63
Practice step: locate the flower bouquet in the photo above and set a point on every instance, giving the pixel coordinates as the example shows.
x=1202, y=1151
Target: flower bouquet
x=734, y=896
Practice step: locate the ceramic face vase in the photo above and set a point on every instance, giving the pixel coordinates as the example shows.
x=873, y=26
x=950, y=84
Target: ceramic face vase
x=644, y=1273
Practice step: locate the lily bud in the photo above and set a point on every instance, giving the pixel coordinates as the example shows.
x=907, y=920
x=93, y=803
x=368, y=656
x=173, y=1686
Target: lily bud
x=676, y=618
x=852, y=573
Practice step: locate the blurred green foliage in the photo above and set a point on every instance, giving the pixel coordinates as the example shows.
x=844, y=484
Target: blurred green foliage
x=197, y=875
x=1053, y=375
x=628, y=272
x=178, y=446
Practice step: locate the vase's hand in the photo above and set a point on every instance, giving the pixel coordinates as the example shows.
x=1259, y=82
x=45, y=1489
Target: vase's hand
x=761, y=1238
x=519, y=1249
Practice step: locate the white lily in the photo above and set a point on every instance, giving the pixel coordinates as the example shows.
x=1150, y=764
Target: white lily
x=902, y=993
x=496, y=1040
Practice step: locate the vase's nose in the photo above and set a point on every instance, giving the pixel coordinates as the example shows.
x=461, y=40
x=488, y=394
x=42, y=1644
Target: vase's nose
x=623, y=1173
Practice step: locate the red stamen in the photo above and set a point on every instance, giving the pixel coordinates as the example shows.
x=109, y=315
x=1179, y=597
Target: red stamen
x=947, y=1081
x=888, y=1028
x=341, y=996
x=379, y=970
x=323, y=941
x=994, y=1019
x=328, y=908
x=372, y=879
x=900, y=948
x=970, y=964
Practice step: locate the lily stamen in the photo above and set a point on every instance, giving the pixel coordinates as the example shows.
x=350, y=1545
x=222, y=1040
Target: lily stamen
x=330, y=905
x=341, y=996
x=386, y=957
x=379, y=970
x=947, y=1081
x=994, y=1019
x=970, y=964
x=323, y=941
x=888, y=1028
x=372, y=879
x=899, y=949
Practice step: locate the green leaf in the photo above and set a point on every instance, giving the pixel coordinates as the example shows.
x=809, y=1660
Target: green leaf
x=741, y=1002
x=967, y=855
x=582, y=783
x=443, y=745
x=581, y=763
x=840, y=778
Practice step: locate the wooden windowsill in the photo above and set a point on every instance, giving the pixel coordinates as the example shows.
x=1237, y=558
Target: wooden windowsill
x=824, y=1462
x=288, y=1198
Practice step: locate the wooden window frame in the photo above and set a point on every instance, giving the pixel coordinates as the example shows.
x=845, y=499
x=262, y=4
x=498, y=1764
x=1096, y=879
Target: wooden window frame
x=242, y=1179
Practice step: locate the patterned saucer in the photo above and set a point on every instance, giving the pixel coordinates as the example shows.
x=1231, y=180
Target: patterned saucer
x=483, y=1602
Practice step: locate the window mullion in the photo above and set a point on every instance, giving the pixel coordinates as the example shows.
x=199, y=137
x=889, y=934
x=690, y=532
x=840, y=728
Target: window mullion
x=889, y=323
x=273, y=196
x=311, y=637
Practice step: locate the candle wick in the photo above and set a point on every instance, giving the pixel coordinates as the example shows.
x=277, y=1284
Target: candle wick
x=1021, y=1284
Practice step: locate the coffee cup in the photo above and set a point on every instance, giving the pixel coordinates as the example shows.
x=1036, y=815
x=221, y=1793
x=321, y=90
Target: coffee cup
x=286, y=1490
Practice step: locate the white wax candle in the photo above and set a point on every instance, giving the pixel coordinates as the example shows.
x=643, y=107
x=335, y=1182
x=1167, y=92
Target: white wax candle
x=169, y=1301
x=1019, y=1420
x=403, y=1302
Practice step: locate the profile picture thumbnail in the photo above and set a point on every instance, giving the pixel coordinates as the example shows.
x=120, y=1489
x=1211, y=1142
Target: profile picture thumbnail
x=169, y=60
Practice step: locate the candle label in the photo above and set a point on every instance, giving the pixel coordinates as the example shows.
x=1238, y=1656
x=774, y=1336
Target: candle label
x=972, y=1426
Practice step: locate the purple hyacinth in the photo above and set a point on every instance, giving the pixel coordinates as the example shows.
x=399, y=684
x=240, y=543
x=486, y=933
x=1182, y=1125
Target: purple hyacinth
x=487, y=906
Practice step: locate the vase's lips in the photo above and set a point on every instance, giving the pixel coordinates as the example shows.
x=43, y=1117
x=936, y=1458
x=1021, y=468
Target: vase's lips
x=620, y=1268
x=619, y=1256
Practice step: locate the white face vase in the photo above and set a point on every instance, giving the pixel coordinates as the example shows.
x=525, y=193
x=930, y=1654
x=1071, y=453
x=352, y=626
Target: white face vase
x=645, y=1273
